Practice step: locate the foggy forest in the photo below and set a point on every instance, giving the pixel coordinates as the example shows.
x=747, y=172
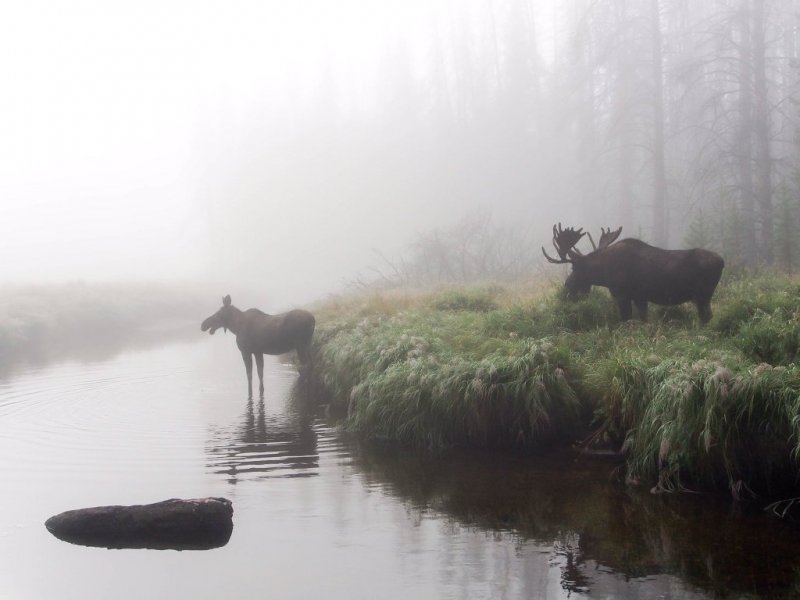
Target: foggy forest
x=676, y=120
x=388, y=143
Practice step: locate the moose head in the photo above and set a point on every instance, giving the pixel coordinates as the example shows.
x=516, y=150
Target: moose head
x=579, y=281
x=222, y=318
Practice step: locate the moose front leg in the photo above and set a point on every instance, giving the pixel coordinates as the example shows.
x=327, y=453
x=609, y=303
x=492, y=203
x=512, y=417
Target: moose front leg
x=260, y=369
x=625, y=308
x=641, y=307
x=248, y=366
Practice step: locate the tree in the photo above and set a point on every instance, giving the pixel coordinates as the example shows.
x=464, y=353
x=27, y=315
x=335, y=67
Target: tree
x=660, y=225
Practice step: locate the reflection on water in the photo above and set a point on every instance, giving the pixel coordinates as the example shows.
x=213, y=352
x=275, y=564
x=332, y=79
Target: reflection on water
x=366, y=520
x=283, y=445
x=601, y=533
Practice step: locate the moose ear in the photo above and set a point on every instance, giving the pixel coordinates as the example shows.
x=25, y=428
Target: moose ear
x=226, y=301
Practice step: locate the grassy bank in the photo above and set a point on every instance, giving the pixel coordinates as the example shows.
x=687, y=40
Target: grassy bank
x=42, y=321
x=717, y=406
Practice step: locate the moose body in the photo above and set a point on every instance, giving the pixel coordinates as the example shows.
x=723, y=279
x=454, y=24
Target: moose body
x=258, y=333
x=637, y=273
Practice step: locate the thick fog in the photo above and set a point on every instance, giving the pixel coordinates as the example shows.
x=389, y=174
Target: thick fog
x=298, y=148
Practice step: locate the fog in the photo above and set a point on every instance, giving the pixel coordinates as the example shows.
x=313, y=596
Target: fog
x=292, y=147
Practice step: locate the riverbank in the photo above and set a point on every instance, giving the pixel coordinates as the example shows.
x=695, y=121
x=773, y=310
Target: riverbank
x=42, y=322
x=491, y=367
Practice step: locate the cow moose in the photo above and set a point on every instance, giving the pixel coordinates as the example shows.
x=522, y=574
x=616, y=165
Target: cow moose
x=258, y=333
x=636, y=272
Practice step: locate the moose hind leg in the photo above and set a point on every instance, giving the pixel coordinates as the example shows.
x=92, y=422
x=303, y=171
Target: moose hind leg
x=704, y=310
x=248, y=366
x=625, y=308
x=304, y=354
x=260, y=369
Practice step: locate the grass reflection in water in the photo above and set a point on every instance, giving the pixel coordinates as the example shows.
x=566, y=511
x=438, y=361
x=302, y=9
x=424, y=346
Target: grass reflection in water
x=594, y=524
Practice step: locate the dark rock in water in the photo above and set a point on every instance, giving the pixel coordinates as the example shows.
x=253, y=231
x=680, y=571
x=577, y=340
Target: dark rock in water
x=198, y=524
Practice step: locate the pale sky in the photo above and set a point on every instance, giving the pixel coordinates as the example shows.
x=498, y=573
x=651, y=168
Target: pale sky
x=103, y=102
x=115, y=116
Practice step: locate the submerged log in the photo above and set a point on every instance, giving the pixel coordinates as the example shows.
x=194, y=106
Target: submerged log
x=197, y=524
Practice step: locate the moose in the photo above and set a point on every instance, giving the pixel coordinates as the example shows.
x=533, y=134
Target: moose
x=636, y=272
x=258, y=333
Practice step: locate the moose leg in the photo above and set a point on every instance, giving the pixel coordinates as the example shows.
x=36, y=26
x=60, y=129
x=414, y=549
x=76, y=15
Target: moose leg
x=641, y=307
x=260, y=369
x=704, y=310
x=248, y=366
x=304, y=354
x=625, y=308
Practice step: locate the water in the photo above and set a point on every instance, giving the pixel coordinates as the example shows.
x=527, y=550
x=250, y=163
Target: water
x=319, y=516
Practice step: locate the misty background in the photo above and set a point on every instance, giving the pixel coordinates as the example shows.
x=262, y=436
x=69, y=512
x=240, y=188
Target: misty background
x=301, y=148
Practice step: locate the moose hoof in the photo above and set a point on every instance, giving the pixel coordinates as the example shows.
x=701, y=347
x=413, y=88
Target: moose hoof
x=197, y=524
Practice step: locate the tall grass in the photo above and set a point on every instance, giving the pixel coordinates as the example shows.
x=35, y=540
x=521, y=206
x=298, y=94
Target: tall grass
x=518, y=395
x=694, y=413
x=742, y=296
x=688, y=406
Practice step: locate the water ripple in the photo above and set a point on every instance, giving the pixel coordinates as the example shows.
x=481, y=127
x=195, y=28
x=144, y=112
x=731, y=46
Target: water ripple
x=72, y=418
x=263, y=445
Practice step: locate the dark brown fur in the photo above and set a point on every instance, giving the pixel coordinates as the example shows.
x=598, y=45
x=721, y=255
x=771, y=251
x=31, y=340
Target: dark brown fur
x=258, y=333
x=638, y=273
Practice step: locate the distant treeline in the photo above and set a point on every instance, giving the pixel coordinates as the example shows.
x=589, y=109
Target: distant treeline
x=42, y=321
x=638, y=114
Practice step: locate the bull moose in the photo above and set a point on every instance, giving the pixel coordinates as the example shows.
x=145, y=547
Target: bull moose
x=636, y=272
x=258, y=333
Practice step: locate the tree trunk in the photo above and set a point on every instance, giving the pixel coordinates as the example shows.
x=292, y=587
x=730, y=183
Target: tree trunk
x=625, y=124
x=761, y=144
x=744, y=146
x=660, y=225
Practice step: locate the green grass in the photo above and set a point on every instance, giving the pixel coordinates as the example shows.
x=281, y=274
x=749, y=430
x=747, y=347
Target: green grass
x=473, y=299
x=690, y=406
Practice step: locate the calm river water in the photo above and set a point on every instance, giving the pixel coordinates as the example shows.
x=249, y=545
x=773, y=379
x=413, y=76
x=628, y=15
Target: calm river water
x=319, y=516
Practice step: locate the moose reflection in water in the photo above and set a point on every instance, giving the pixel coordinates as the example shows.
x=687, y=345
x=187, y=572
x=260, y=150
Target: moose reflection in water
x=258, y=333
x=634, y=271
x=283, y=444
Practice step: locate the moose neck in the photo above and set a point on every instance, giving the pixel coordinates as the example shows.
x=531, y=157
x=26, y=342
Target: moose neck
x=234, y=323
x=594, y=269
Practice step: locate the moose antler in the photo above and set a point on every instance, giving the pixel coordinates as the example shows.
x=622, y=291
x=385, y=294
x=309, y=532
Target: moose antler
x=607, y=237
x=564, y=241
